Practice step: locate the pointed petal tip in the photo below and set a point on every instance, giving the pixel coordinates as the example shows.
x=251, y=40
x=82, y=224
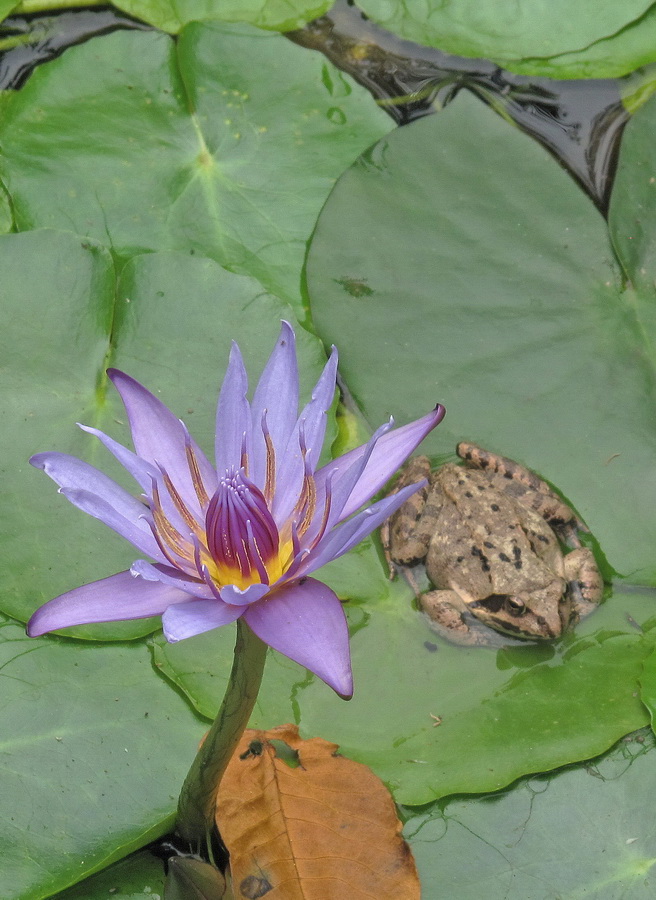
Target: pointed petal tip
x=286, y=331
x=341, y=683
x=235, y=351
x=116, y=375
x=305, y=621
x=345, y=690
x=32, y=628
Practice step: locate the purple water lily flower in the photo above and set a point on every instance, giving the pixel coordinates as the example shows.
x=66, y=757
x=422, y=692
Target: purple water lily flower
x=241, y=539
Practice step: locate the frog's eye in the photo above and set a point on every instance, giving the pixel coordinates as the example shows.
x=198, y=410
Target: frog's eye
x=514, y=606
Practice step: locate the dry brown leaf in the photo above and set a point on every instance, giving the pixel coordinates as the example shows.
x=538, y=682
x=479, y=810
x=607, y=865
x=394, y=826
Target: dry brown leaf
x=324, y=830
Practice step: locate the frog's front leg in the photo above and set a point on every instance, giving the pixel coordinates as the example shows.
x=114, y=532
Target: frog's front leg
x=404, y=541
x=585, y=584
x=451, y=619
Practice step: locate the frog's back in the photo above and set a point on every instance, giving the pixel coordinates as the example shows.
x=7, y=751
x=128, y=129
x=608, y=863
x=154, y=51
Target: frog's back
x=496, y=545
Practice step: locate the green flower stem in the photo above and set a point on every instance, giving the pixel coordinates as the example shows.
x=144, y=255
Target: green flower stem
x=197, y=803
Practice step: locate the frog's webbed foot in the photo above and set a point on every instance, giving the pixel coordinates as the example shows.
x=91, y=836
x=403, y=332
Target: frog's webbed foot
x=585, y=584
x=526, y=487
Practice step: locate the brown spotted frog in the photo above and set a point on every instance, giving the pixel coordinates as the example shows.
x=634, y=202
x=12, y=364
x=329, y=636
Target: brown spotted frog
x=488, y=533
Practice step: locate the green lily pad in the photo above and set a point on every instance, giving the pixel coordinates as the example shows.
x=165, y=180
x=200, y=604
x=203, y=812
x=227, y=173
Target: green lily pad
x=6, y=6
x=225, y=143
x=632, y=215
x=84, y=778
x=584, y=832
x=277, y=15
x=502, y=713
x=589, y=39
x=494, y=289
x=6, y=217
x=614, y=56
x=139, y=877
x=648, y=686
x=67, y=321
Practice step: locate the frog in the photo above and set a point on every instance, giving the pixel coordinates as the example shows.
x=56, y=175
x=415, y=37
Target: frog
x=500, y=548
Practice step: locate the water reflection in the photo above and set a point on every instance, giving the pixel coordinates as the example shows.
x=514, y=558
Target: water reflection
x=26, y=41
x=579, y=121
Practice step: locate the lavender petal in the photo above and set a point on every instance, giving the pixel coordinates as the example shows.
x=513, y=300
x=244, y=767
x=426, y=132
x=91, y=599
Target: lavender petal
x=305, y=621
x=185, y=620
x=312, y=421
x=101, y=497
x=350, y=476
x=233, y=415
x=141, y=471
x=173, y=577
x=390, y=452
x=112, y=599
x=277, y=395
x=237, y=597
x=345, y=536
x=159, y=438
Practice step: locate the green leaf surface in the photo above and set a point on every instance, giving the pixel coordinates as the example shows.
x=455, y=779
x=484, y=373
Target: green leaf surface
x=589, y=39
x=85, y=780
x=633, y=211
x=168, y=322
x=493, y=288
x=648, y=686
x=139, y=877
x=6, y=6
x=516, y=710
x=584, y=832
x=6, y=217
x=225, y=143
x=611, y=57
x=277, y=15
x=58, y=294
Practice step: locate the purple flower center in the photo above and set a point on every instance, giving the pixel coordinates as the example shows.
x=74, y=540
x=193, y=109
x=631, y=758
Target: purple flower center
x=242, y=537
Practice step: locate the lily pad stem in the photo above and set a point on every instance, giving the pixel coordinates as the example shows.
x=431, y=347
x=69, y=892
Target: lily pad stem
x=197, y=803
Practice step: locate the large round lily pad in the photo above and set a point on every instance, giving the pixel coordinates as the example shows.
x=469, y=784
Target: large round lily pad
x=588, y=39
x=223, y=143
x=492, y=286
